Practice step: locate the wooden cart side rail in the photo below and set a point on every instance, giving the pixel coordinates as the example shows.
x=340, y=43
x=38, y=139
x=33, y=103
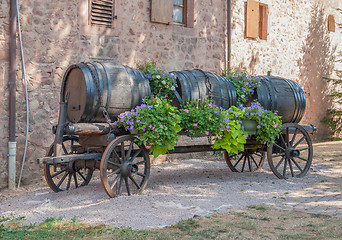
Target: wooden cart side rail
x=70, y=158
x=105, y=128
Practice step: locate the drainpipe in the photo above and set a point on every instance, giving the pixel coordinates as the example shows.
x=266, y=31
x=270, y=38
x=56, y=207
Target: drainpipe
x=229, y=33
x=12, y=97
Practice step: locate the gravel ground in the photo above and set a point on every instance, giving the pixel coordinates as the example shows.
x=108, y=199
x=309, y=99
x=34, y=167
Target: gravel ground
x=182, y=189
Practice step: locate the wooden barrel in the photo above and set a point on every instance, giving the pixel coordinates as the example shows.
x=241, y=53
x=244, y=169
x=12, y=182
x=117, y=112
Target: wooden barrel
x=284, y=96
x=91, y=87
x=197, y=84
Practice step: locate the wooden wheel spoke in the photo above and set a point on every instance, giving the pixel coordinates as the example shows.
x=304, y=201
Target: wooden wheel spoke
x=294, y=136
x=129, y=150
x=302, y=149
x=249, y=163
x=278, y=155
x=285, y=166
x=64, y=149
x=291, y=169
x=279, y=147
x=256, y=164
x=121, y=185
x=117, y=156
x=112, y=173
x=300, y=140
x=305, y=160
x=115, y=164
x=139, y=163
x=134, y=182
x=127, y=187
x=135, y=155
x=123, y=151
x=141, y=174
x=238, y=160
x=57, y=173
x=115, y=181
x=62, y=180
x=281, y=160
x=297, y=165
x=282, y=139
x=75, y=179
x=244, y=162
x=69, y=181
x=287, y=137
x=82, y=176
x=258, y=154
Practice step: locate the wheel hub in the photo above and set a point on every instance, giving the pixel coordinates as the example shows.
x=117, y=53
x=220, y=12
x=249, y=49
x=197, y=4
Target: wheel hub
x=290, y=152
x=126, y=169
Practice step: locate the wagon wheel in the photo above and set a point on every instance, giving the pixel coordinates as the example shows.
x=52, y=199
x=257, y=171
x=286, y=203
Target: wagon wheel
x=247, y=161
x=125, y=167
x=291, y=154
x=65, y=176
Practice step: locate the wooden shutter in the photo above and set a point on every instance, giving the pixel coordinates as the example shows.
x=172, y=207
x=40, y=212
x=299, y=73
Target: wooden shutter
x=252, y=19
x=263, y=20
x=190, y=13
x=101, y=12
x=161, y=11
x=331, y=23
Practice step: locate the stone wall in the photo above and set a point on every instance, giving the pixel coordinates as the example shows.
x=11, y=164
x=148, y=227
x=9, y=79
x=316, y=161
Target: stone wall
x=56, y=34
x=298, y=47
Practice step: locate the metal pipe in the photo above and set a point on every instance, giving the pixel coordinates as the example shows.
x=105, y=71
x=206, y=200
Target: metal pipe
x=229, y=32
x=12, y=95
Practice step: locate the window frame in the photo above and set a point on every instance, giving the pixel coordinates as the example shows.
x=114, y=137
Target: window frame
x=185, y=13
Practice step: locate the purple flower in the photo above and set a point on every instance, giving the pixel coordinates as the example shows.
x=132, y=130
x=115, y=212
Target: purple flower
x=243, y=96
x=163, y=82
x=206, y=132
x=116, y=122
x=138, y=120
x=186, y=110
x=195, y=124
x=160, y=126
x=173, y=88
x=158, y=76
x=258, y=126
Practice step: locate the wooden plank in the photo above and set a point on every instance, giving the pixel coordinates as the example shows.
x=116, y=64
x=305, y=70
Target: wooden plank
x=252, y=19
x=263, y=21
x=331, y=23
x=161, y=11
x=190, y=19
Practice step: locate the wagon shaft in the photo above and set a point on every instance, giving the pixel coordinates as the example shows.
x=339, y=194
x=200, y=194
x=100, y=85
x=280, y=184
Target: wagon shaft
x=70, y=158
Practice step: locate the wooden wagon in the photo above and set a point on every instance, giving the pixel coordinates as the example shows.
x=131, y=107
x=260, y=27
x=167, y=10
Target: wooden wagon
x=85, y=140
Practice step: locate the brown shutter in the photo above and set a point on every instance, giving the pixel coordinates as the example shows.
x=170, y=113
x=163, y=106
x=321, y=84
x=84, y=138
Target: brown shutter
x=263, y=20
x=101, y=12
x=331, y=23
x=161, y=11
x=252, y=19
x=190, y=13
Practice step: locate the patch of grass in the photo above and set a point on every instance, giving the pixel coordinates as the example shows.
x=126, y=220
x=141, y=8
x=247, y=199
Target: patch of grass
x=186, y=225
x=258, y=207
x=253, y=223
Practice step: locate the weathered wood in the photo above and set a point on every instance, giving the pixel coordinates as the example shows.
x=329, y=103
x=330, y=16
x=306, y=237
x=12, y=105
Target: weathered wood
x=88, y=129
x=252, y=19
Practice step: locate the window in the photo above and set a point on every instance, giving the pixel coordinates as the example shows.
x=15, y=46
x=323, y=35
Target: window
x=178, y=12
x=101, y=13
x=256, y=20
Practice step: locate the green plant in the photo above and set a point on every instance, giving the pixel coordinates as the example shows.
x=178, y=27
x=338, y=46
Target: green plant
x=245, y=84
x=203, y=118
x=157, y=123
x=268, y=123
x=162, y=83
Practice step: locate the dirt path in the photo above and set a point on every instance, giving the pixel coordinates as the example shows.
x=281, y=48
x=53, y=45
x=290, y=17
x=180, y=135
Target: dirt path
x=181, y=189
